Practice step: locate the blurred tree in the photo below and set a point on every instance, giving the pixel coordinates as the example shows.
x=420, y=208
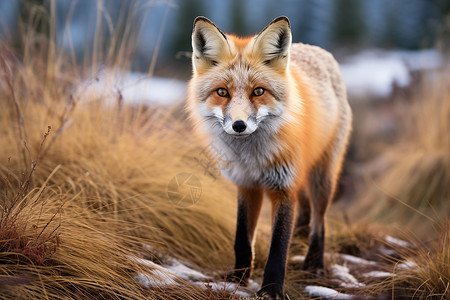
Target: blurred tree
x=443, y=37
x=301, y=28
x=238, y=14
x=349, y=27
x=414, y=23
x=188, y=11
x=33, y=22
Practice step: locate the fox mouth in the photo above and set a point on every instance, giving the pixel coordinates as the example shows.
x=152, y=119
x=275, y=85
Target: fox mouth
x=239, y=135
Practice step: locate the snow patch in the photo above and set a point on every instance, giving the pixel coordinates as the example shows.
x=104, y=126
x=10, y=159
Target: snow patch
x=185, y=272
x=156, y=279
x=378, y=274
x=298, y=258
x=162, y=276
x=324, y=292
x=398, y=242
x=131, y=88
x=343, y=274
x=358, y=260
x=228, y=287
x=373, y=72
x=407, y=265
x=158, y=276
x=253, y=285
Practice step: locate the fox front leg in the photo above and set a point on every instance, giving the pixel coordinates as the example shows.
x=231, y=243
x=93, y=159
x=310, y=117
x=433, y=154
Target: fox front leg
x=283, y=211
x=249, y=206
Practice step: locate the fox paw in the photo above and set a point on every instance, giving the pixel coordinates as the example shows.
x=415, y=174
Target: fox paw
x=313, y=272
x=272, y=291
x=314, y=266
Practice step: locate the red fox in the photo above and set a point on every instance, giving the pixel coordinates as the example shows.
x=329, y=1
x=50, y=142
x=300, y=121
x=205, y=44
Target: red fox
x=278, y=111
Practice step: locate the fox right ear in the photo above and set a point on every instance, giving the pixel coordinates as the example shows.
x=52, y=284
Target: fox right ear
x=209, y=44
x=272, y=44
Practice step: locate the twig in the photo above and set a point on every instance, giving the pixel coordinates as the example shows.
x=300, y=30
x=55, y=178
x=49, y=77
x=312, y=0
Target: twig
x=20, y=119
x=8, y=173
x=158, y=43
x=65, y=122
x=48, y=223
x=28, y=182
x=57, y=133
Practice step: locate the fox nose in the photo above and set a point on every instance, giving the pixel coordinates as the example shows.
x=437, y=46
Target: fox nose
x=239, y=126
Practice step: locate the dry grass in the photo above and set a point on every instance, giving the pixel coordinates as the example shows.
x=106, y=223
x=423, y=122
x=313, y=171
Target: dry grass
x=410, y=185
x=98, y=194
x=407, y=187
x=426, y=274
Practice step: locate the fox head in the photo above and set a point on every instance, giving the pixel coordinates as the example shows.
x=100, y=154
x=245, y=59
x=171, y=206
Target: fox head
x=239, y=84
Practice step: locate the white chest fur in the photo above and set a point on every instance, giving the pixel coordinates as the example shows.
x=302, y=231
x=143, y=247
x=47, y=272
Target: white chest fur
x=250, y=161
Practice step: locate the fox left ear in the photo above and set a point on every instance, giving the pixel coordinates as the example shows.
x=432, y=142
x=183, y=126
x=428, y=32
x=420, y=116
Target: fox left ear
x=272, y=44
x=209, y=44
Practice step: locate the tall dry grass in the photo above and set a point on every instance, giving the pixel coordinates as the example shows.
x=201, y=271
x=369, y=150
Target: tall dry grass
x=431, y=276
x=411, y=186
x=409, y=190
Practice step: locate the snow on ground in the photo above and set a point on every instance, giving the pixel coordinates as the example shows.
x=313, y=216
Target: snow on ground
x=357, y=260
x=398, y=242
x=377, y=274
x=230, y=287
x=173, y=271
x=167, y=274
x=407, y=265
x=132, y=88
x=373, y=72
x=326, y=293
x=298, y=258
x=159, y=276
x=346, y=279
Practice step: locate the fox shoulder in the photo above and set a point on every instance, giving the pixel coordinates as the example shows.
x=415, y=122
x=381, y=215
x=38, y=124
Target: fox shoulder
x=320, y=67
x=315, y=60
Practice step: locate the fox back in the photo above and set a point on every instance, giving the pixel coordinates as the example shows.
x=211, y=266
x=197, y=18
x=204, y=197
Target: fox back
x=278, y=114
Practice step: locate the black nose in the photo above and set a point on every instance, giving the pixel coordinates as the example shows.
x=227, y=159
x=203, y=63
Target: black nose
x=239, y=126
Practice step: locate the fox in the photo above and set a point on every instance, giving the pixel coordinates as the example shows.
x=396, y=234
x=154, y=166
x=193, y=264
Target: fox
x=278, y=112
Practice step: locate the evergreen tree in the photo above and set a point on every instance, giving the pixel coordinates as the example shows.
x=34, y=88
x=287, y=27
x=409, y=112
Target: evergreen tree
x=188, y=10
x=349, y=27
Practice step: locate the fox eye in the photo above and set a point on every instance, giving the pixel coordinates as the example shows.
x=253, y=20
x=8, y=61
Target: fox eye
x=222, y=92
x=258, y=91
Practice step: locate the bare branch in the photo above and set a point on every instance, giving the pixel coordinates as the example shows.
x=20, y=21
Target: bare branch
x=7, y=73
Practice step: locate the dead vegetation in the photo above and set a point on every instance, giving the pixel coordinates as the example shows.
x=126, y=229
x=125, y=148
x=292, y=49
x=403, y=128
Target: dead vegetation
x=410, y=184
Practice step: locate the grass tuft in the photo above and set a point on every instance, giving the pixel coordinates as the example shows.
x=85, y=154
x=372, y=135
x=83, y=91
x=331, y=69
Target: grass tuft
x=410, y=186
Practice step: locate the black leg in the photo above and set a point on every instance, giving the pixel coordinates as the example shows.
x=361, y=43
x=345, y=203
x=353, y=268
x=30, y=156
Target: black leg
x=249, y=206
x=283, y=224
x=314, y=257
x=242, y=247
x=320, y=189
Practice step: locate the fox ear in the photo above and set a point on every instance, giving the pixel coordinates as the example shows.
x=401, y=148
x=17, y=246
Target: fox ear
x=272, y=44
x=209, y=44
